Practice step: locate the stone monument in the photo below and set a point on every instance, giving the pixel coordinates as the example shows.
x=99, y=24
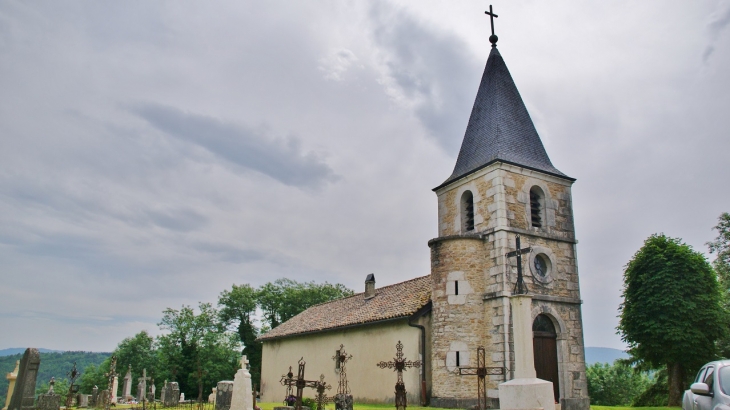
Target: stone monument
x=115, y=388
x=211, y=396
x=223, y=395
x=525, y=391
x=171, y=393
x=24, y=391
x=50, y=400
x=142, y=386
x=82, y=400
x=11, y=383
x=94, y=397
x=182, y=397
x=127, y=385
x=242, y=398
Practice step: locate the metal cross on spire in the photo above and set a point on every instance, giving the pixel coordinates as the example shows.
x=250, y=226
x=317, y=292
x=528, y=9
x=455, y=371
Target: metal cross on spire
x=520, y=286
x=493, y=38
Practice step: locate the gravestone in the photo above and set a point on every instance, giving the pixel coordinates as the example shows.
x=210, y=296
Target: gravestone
x=242, y=398
x=24, y=392
x=12, y=376
x=211, y=396
x=94, y=401
x=223, y=395
x=127, y=385
x=172, y=394
x=151, y=393
x=115, y=387
x=103, y=398
x=82, y=400
x=50, y=400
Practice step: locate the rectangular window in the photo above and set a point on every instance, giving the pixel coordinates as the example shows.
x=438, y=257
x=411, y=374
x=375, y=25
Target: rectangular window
x=458, y=362
x=456, y=287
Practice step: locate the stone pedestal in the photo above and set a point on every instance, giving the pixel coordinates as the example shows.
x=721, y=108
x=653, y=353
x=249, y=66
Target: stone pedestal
x=82, y=400
x=343, y=402
x=171, y=394
x=94, y=400
x=242, y=398
x=525, y=391
x=50, y=401
x=11, y=383
x=223, y=395
x=115, y=387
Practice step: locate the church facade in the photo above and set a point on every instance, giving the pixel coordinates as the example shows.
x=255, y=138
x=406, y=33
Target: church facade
x=503, y=186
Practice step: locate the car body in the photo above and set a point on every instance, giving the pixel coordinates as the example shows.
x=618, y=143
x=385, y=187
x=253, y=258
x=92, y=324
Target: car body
x=711, y=388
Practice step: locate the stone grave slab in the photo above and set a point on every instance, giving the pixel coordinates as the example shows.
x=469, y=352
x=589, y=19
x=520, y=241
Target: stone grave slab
x=24, y=392
x=223, y=395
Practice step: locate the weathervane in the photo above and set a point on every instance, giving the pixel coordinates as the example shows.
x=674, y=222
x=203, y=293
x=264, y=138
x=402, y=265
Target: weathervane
x=493, y=38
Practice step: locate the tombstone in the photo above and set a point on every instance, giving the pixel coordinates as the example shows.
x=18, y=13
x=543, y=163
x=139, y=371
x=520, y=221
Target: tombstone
x=82, y=400
x=151, y=393
x=103, y=398
x=182, y=397
x=172, y=394
x=24, y=392
x=11, y=383
x=142, y=386
x=223, y=395
x=50, y=400
x=211, y=396
x=115, y=387
x=127, y=385
x=242, y=398
x=94, y=401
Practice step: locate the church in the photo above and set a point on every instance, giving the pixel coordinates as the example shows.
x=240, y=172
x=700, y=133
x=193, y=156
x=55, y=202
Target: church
x=503, y=187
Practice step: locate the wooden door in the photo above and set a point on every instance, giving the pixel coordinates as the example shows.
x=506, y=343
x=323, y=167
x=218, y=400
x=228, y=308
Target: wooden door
x=546, y=353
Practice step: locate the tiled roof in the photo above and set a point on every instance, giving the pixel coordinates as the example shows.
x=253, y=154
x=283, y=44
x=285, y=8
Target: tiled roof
x=500, y=128
x=399, y=300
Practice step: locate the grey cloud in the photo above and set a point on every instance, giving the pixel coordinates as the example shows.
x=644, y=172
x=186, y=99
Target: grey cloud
x=716, y=26
x=249, y=148
x=433, y=69
x=183, y=220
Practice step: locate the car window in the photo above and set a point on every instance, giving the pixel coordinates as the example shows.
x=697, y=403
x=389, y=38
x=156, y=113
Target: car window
x=710, y=377
x=724, y=374
x=700, y=374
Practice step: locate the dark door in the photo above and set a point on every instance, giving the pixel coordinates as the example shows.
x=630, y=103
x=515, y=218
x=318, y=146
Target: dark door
x=546, y=352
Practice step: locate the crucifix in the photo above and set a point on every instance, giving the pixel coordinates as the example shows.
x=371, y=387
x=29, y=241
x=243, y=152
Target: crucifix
x=493, y=38
x=300, y=383
x=322, y=398
x=341, y=358
x=73, y=388
x=400, y=364
x=111, y=375
x=481, y=371
x=143, y=384
x=520, y=286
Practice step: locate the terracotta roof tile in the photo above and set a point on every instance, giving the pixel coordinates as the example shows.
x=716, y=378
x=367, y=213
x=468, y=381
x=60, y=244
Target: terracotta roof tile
x=398, y=300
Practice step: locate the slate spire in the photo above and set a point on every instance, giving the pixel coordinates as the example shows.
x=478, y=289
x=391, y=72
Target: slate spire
x=500, y=129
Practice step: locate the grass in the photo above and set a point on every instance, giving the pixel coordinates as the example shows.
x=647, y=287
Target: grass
x=632, y=408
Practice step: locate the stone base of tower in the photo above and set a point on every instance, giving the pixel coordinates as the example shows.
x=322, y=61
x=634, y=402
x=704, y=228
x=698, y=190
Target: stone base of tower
x=526, y=394
x=454, y=403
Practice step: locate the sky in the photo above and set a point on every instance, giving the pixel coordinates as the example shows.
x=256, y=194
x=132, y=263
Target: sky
x=152, y=154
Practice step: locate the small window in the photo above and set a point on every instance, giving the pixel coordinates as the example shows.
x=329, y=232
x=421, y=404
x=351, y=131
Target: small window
x=537, y=200
x=456, y=287
x=458, y=359
x=467, y=211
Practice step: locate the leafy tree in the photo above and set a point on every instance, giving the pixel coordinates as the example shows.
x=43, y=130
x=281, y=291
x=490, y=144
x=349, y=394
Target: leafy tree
x=616, y=384
x=238, y=307
x=671, y=314
x=721, y=248
x=196, y=351
x=140, y=352
x=285, y=298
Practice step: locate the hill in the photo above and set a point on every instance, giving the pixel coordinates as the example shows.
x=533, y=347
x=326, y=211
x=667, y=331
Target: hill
x=53, y=364
x=603, y=355
x=21, y=350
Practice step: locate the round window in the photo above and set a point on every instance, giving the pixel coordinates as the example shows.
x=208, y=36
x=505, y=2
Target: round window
x=542, y=265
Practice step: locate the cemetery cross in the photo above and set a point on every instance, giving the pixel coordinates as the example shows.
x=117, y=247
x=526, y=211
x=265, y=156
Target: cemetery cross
x=72, y=388
x=300, y=383
x=143, y=380
x=520, y=286
x=481, y=371
x=322, y=398
x=400, y=364
x=341, y=358
x=107, y=399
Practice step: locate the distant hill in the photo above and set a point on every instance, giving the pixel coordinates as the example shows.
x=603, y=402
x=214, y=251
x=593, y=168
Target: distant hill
x=603, y=355
x=21, y=350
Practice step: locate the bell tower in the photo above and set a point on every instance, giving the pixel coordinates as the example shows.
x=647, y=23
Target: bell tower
x=504, y=185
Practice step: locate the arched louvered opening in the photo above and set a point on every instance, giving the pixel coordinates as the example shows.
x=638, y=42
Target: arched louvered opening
x=467, y=211
x=537, y=207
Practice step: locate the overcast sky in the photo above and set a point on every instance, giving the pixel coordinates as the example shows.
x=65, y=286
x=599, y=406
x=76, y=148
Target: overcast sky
x=154, y=153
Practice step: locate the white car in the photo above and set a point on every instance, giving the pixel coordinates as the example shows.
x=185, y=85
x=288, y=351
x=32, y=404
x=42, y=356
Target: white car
x=711, y=388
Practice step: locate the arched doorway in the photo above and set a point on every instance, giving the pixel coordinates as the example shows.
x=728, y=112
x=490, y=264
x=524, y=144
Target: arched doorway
x=546, y=353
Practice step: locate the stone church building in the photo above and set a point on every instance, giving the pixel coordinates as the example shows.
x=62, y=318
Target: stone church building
x=503, y=185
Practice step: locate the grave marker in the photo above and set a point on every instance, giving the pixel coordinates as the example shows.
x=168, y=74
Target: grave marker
x=223, y=395
x=11, y=383
x=400, y=364
x=241, y=399
x=24, y=392
x=127, y=385
x=343, y=398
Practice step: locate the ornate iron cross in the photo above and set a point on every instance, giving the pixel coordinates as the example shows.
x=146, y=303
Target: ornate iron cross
x=400, y=364
x=520, y=286
x=300, y=383
x=111, y=375
x=341, y=358
x=481, y=371
x=72, y=388
x=493, y=38
x=322, y=398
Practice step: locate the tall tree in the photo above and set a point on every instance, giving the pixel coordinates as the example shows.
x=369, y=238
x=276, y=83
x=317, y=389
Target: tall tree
x=671, y=313
x=196, y=351
x=721, y=248
x=238, y=309
x=285, y=298
x=140, y=352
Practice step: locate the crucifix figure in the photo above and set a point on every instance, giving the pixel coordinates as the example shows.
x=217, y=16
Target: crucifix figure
x=520, y=286
x=300, y=383
x=493, y=38
x=112, y=374
x=481, y=371
x=400, y=364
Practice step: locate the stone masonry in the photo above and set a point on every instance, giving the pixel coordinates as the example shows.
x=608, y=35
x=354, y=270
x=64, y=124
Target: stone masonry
x=480, y=314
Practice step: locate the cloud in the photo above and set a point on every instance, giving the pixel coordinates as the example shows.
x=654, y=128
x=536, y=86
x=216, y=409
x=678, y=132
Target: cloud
x=715, y=27
x=255, y=149
x=430, y=69
x=337, y=63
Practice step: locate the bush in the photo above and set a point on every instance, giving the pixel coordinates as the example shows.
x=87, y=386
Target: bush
x=656, y=394
x=616, y=384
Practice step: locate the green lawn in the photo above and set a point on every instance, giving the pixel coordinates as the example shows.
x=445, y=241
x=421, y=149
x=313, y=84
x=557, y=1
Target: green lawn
x=633, y=408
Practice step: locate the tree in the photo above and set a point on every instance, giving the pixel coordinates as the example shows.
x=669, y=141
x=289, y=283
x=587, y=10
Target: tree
x=671, y=314
x=138, y=351
x=721, y=248
x=238, y=308
x=196, y=350
x=285, y=298
x=616, y=384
